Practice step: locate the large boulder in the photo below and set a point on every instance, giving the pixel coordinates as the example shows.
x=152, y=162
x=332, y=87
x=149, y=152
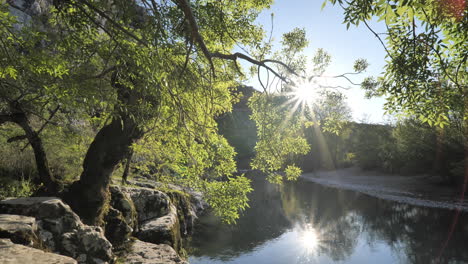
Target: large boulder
x=55, y=216
x=11, y=253
x=19, y=228
x=162, y=230
x=148, y=203
x=87, y=245
x=189, y=203
x=148, y=253
x=61, y=230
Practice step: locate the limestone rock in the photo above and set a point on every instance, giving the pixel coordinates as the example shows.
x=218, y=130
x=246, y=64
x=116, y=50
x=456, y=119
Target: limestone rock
x=56, y=215
x=19, y=229
x=61, y=230
x=147, y=253
x=15, y=254
x=87, y=245
x=165, y=230
x=149, y=203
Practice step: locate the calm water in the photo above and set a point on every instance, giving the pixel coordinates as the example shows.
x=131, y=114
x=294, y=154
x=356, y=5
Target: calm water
x=303, y=222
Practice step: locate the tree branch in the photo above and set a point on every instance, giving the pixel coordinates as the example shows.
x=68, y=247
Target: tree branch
x=198, y=38
x=116, y=24
x=5, y=118
x=378, y=37
x=16, y=138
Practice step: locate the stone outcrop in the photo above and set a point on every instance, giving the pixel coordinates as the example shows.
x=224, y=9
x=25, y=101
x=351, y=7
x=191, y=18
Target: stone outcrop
x=61, y=230
x=162, y=230
x=19, y=228
x=11, y=253
x=158, y=218
x=149, y=203
x=148, y=253
x=189, y=203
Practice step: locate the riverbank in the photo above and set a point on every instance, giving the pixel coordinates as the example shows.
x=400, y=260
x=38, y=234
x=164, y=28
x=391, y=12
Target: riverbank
x=421, y=190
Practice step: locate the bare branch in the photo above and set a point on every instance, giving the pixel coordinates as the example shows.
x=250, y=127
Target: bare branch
x=5, y=118
x=187, y=57
x=197, y=37
x=378, y=37
x=344, y=76
x=16, y=138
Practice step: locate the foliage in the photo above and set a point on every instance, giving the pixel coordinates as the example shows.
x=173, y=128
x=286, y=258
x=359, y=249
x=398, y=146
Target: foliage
x=425, y=75
x=137, y=61
x=331, y=111
x=16, y=188
x=409, y=147
x=228, y=197
x=280, y=138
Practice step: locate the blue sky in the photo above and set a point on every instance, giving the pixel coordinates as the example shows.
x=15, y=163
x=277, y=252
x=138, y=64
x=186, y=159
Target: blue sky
x=325, y=30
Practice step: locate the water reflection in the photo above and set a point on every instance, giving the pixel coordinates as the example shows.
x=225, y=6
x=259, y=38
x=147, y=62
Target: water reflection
x=304, y=222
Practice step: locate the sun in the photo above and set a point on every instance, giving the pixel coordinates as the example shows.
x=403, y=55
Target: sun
x=304, y=93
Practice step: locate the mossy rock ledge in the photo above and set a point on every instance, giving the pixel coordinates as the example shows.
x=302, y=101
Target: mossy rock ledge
x=142, y=225
x=158, y=214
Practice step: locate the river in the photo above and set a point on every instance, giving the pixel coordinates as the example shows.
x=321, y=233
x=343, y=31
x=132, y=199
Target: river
x=305, y=222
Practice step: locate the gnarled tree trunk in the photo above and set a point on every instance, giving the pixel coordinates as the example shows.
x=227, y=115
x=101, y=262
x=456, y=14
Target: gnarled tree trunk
x=51, y=185
x=90, y=195
x=111, y=145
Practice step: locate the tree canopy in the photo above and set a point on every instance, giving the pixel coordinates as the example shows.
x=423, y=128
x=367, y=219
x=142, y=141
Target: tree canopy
x=426, y=45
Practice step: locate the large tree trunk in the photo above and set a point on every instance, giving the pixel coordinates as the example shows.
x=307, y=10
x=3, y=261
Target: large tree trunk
x=89, y=196
x=111, y=145
x=51, y=185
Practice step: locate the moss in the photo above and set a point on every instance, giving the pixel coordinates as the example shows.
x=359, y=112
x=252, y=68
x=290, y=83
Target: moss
x=182, y=202
x=123, y=251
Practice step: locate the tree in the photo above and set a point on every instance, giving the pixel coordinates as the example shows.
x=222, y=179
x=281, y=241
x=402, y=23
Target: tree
x=145, y=69
x=425, y=75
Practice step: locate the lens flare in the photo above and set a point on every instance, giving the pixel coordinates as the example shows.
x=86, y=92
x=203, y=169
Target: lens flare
x=309, y=239
x=304, y=93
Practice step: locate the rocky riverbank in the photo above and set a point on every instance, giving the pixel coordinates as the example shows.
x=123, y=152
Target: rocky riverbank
x=145, y=223
x=420, y=190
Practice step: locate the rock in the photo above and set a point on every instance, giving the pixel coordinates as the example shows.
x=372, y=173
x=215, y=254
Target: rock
x=185, y=211
x=56, y=215
x=196, y=198
x=87, y=245
x=117, y=231
x=199, y=205
x=16, y=254
x=60, y=229
x=149, y=203
x=165, y=230
x=143, y=182
x=19, y=229
x=122, y=202
x=147, y=253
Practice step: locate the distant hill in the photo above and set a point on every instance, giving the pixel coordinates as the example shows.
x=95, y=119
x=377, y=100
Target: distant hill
x=238, y=128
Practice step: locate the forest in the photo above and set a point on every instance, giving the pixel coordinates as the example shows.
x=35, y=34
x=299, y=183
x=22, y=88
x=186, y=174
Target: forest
x=97, y=94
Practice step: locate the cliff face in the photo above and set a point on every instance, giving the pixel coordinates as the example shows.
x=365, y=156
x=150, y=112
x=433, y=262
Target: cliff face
x=238, y=128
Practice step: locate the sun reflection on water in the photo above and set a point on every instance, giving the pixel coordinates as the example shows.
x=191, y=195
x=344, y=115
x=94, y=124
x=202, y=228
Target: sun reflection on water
x=309, y=239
